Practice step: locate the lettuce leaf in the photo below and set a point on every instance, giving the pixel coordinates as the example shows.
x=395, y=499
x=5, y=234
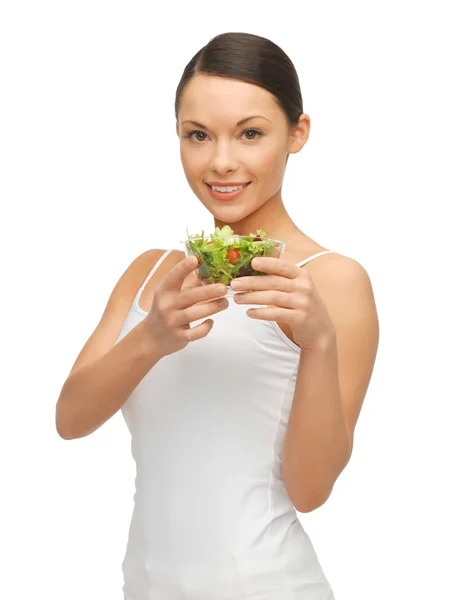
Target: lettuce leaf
x=212, y=250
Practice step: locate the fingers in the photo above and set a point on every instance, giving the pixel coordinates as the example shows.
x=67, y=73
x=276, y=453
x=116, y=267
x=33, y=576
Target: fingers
x=199, y=331
x=178, y=273
x=191, y=281
x=200, y=293
x=184, y=279
x=199, y=311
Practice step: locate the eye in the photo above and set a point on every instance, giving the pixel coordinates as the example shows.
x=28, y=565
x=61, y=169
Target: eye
x=196, y=131
x=255, y=131
x=200, y=135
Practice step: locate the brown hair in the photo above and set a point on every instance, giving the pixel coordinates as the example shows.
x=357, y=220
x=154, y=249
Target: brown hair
x=250, y=58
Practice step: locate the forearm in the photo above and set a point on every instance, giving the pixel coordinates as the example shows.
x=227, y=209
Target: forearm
x=93, y=393
x=317, y=444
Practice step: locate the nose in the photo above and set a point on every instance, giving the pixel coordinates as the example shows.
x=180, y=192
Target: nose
x=224, y=158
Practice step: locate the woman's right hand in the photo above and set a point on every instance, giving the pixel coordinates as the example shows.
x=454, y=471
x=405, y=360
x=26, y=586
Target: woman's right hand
x=179, y=299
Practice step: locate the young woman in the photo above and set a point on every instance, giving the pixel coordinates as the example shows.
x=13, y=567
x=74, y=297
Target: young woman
x=242, y=419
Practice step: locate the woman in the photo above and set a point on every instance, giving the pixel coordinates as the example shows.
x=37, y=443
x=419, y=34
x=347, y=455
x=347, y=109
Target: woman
x=243, y=419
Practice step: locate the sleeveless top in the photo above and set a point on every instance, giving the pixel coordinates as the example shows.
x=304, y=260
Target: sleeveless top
x=212, y=519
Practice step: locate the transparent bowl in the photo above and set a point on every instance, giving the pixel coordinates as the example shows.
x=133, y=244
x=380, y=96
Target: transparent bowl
x=212, y=271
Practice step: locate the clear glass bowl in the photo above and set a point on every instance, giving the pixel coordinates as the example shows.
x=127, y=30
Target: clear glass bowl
x=209, y=272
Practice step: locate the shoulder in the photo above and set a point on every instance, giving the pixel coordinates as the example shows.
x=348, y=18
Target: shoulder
x=137, y=271
x=334, y=270
x=346, y=289
x=148, y=259
x=145, y=261
x=142, y=266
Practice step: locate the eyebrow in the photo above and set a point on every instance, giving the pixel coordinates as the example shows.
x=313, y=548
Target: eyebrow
x=237, y=124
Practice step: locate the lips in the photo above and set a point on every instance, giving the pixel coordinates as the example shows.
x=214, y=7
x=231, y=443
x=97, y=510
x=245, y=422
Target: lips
x=227, y=184
x=227, y=196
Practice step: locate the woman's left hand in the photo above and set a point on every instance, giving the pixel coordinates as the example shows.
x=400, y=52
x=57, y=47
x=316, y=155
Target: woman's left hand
x=292, y=298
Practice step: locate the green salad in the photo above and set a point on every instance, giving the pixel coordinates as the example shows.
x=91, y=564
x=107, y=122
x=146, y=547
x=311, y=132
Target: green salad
x=223, y=255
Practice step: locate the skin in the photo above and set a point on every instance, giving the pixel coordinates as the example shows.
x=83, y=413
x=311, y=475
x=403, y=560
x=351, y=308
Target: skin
x=221, y=151
x=330, y=303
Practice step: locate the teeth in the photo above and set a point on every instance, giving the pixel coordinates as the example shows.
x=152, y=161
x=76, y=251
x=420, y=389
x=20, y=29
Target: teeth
x=227, y=189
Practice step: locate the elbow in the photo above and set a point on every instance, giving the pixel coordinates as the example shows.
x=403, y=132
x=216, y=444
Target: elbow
x=312, y=503
x=68, y=425
x=62, y=431
x=63, y=434
x=62, y=425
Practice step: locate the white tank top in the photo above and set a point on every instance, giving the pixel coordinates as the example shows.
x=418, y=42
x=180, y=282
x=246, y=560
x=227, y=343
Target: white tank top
x=212, y=519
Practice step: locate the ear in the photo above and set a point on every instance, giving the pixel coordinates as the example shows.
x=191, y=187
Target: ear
x=299, y=134
x=176, y=126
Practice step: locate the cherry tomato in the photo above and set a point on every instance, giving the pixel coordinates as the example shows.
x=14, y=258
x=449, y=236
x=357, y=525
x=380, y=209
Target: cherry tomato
x=233, y=255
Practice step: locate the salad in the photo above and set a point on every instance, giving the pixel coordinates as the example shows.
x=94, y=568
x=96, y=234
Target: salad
x=223, y=255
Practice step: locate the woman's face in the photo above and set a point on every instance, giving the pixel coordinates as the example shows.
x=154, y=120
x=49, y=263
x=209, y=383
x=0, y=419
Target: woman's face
x=215, y=147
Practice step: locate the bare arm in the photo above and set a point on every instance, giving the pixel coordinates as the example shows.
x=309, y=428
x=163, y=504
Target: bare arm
x=330, y=388
x=105, y=374
x=94, y=392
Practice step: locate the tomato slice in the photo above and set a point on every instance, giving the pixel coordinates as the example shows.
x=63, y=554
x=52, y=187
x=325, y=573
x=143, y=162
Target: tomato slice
x=233, y=255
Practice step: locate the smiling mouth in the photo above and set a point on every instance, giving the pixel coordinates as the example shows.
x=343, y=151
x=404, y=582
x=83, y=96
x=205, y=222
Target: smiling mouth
x=227, y=193
x=222, y=187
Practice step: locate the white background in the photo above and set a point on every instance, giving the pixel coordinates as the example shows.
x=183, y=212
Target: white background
x=91, y=177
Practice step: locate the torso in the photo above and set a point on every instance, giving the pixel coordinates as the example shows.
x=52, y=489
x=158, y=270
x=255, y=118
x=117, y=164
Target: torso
x=316, y=269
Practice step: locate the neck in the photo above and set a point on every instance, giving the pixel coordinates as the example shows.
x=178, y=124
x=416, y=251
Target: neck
x=272, y=217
